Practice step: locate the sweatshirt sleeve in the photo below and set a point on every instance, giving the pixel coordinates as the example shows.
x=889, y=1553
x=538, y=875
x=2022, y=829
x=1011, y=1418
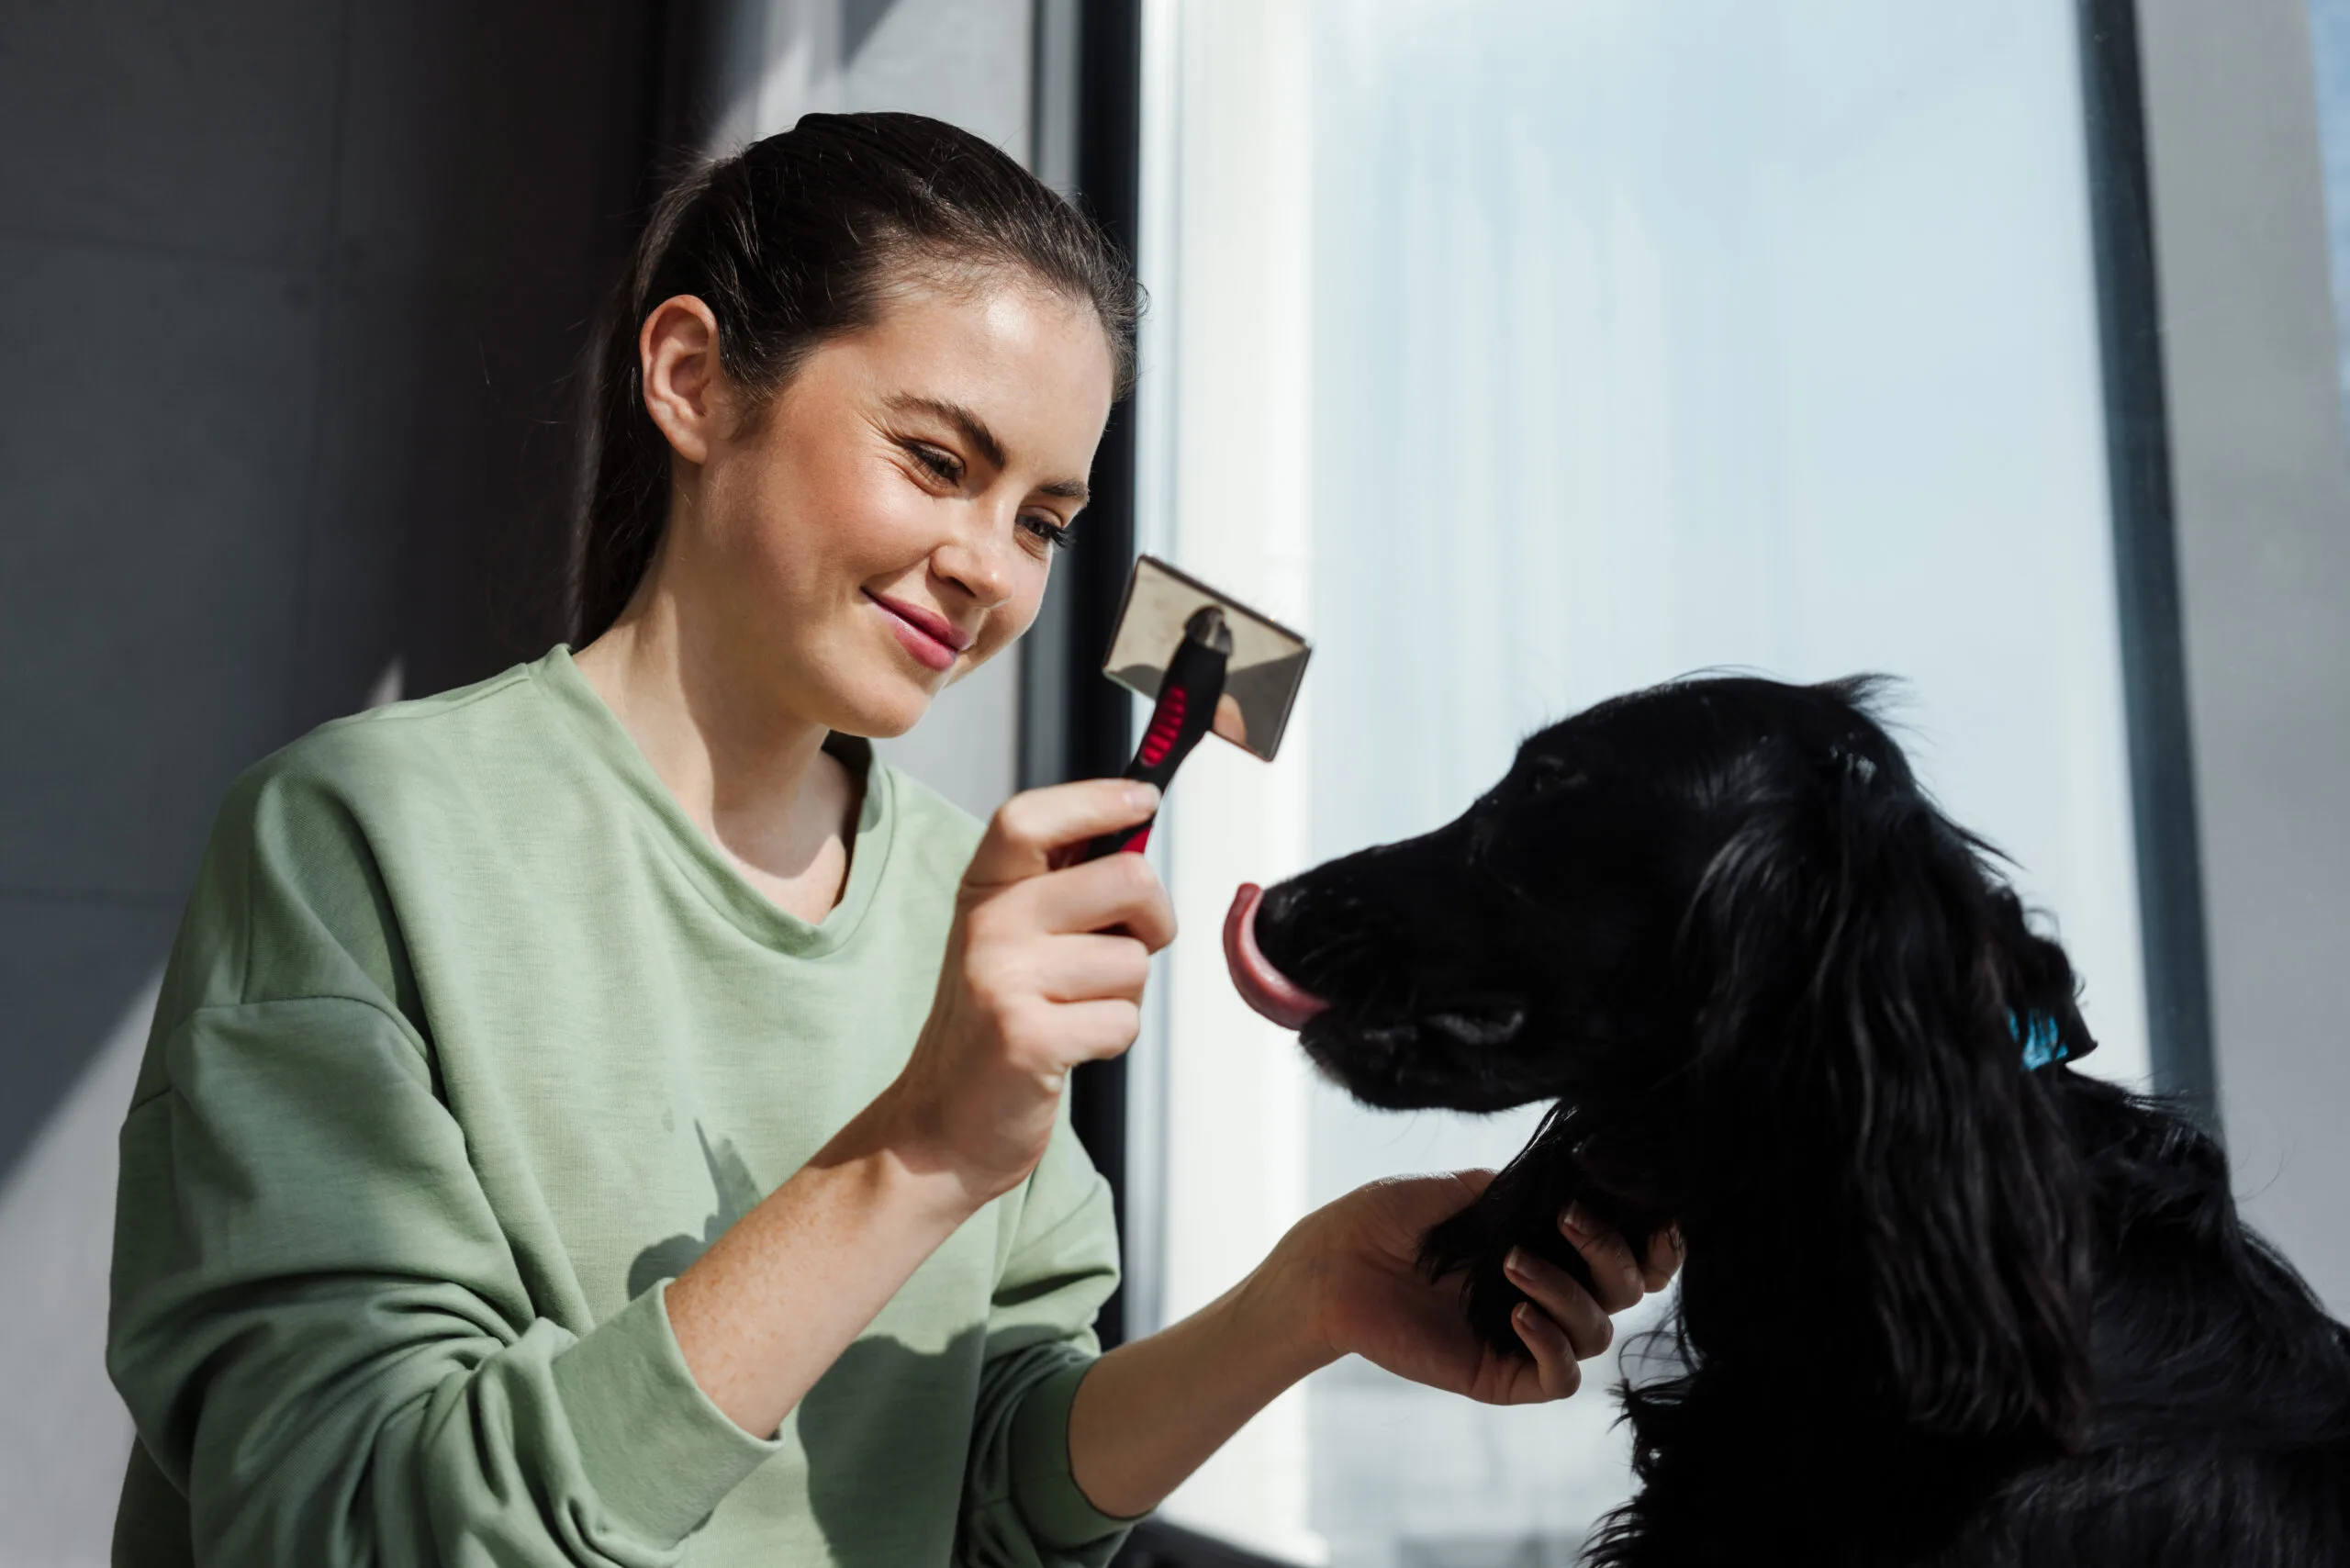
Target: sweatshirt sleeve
x=325, y=1343
x=1021, y=1507
x=323, y=1337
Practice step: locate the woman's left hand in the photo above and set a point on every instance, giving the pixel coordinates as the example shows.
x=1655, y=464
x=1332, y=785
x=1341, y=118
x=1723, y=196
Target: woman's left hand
x=1353, y=1266
x=1345, y=1280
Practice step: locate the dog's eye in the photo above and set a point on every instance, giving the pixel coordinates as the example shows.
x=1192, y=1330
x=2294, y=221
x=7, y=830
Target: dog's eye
x=1548, y=775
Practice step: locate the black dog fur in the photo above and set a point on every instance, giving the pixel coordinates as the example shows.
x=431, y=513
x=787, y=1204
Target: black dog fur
x=1936, y=1309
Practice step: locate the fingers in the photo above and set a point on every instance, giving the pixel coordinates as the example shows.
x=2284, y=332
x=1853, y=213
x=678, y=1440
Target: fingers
x=1616, y=1278
x=1565, y=1304
x=1095, y=1030
x=1028, y=827
x=1116, y=892
x=1554, y=1363
x=1093, y=969
x=1062, y=998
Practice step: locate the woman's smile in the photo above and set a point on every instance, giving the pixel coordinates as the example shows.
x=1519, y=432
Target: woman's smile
x=928, y=637
x=911, y=475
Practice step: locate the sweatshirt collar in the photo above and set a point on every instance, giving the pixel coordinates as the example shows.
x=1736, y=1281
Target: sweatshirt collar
x=707, y=867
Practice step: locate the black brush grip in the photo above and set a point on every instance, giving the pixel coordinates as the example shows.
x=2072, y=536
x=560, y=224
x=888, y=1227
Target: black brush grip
x=1186, y=708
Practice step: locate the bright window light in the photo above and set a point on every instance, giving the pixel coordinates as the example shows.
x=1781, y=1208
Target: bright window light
x=1523, y=353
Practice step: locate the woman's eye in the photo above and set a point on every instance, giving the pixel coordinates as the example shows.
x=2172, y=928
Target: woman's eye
x=943, y=463
x=1053, y=533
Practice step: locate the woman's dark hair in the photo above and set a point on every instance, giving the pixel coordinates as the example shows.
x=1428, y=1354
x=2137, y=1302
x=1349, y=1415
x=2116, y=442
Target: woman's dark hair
x=796, y=239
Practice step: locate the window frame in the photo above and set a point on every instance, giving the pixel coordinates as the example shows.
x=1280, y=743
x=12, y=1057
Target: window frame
x=2171, y=914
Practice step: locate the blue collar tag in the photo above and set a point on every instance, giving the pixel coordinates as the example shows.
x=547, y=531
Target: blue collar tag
x=2038, y=1039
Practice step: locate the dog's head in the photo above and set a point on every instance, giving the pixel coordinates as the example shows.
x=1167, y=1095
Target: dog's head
x=1775, y=992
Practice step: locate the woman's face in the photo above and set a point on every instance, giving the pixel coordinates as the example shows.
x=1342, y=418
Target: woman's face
x=885, y=523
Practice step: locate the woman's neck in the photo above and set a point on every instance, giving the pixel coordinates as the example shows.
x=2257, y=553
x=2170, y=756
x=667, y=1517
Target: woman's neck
x=753, y=777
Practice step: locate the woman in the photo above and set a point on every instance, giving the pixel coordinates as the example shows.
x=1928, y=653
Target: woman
x=445, y=1229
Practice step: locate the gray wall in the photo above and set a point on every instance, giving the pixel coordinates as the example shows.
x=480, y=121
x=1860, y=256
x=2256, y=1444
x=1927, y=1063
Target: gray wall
x=2263, y=486
x=288, y=293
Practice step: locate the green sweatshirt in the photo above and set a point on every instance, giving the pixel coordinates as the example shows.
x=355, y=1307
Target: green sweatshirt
x=470, y=1041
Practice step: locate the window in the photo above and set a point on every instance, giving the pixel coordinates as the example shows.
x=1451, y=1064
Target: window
x=1523, y=354
x=2330, y=52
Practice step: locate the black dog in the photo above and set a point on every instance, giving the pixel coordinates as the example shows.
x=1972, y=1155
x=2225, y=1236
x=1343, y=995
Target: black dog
x=1946, y=1301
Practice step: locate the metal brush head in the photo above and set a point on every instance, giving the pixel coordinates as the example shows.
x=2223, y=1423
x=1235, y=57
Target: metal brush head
x=1265, y=661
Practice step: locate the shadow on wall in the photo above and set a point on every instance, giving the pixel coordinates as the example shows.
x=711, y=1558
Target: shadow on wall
x=293, y=296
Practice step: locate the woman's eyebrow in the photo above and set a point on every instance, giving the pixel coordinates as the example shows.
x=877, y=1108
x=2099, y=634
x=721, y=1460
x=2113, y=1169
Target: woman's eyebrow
x=974, y=430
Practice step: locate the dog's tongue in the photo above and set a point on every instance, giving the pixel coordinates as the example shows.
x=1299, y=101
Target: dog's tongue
x=1261, y=985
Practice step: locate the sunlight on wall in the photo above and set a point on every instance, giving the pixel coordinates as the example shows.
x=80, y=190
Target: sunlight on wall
x=56, y=1238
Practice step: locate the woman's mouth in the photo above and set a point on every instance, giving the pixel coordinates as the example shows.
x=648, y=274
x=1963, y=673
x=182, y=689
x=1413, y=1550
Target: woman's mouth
x=929, y=638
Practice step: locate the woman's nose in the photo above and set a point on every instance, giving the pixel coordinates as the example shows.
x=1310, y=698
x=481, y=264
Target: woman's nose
x=981, y=562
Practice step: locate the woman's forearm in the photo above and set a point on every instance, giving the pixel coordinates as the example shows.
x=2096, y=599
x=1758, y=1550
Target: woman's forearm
x=775, y=1302
x=1028, y=988
x=1151, y=1412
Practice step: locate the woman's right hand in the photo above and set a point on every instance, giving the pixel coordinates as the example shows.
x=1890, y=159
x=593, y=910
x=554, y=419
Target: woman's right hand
x=1044, y=970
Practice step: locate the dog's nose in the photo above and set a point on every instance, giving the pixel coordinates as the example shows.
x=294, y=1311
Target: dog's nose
x=1280, y=905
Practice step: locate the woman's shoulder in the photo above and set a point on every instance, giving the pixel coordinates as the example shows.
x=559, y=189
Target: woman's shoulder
x=293, y=878
x=394, y=748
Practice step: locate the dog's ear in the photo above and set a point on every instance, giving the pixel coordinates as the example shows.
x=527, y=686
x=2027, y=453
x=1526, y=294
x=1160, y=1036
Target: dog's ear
x=1867, y=976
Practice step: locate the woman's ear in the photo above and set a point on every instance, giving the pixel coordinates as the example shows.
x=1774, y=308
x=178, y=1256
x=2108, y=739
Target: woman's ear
x=1861, y=1027
x=676, y=352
